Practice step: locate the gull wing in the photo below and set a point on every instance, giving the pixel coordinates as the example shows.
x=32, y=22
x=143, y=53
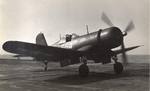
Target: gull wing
x=39, y=51
x=126, y=49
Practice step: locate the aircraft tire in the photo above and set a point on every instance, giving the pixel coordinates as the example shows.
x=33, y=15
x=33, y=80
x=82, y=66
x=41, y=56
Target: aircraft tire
x=118, y=68
x=83, y=70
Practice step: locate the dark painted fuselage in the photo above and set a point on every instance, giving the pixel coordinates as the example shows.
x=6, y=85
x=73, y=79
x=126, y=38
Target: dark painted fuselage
x=103, y=39
x=97, y=45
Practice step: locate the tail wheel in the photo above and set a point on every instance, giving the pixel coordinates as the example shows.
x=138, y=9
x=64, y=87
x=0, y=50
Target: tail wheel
x=45, y=68
x=45, y=63
x=83, y=70
x=118, y=68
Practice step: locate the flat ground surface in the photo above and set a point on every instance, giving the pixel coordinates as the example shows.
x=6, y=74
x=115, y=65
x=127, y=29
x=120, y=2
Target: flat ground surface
x=29, y=76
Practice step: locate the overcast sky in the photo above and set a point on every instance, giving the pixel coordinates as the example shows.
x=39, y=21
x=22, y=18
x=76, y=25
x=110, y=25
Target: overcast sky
x=22, y=20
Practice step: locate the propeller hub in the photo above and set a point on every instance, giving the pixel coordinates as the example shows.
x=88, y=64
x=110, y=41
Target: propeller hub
x=124, y=33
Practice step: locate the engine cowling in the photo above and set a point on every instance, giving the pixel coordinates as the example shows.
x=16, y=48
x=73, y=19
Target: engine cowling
x=110, y=38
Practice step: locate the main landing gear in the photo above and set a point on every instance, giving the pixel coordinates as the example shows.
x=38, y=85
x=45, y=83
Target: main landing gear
x=83, y=69
x=118, y=67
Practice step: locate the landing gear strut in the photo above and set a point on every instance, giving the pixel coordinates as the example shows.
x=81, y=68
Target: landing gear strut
x=45, y=63
x=83, y=69
x=118, y=67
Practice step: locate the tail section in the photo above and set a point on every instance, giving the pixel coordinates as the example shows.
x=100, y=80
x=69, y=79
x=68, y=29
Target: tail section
x=40, y=39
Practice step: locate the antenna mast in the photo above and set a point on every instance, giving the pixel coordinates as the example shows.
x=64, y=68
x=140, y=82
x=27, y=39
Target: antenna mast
x=87, y=29
x=60, y=36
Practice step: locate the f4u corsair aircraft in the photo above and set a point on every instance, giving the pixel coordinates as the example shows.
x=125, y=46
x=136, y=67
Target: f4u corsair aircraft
x=73, y=49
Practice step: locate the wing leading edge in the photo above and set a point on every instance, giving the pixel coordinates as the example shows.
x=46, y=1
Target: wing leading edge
x=126, y=49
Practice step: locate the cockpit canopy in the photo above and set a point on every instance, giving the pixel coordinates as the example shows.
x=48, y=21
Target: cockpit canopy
x=69, y=37
x=66, y=38
x=74, y=35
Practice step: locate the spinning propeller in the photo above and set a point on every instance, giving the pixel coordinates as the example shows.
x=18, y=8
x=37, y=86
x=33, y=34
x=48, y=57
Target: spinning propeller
x=129, y=27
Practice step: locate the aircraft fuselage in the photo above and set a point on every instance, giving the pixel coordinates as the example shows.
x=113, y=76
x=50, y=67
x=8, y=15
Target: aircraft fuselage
x=107, y=38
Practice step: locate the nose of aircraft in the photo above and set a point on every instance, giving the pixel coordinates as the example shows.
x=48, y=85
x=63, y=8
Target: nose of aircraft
x=111, y=37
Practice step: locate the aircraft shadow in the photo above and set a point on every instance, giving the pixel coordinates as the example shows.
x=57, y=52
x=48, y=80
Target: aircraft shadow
x=57, y=69
x=95, y=76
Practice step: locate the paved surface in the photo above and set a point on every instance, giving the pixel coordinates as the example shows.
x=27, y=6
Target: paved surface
x=29, y=76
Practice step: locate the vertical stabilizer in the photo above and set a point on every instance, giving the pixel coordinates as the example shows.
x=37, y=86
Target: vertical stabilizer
x=40, y=39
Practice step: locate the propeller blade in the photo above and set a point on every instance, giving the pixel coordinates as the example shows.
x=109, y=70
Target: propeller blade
x=124, y=56
x=129, y=27
x=106, y=19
